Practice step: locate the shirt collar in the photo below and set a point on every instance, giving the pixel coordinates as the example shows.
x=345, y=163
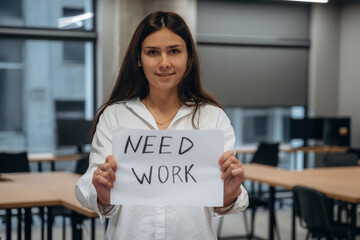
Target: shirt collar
x=140, y=109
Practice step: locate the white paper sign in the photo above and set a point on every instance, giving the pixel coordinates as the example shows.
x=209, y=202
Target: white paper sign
x=170, y=167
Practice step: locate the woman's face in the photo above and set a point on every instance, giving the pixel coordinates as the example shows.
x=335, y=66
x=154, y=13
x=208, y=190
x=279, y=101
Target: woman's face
x=163, y=59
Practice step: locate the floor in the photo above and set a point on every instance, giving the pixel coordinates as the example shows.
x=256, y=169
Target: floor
x=232, y=225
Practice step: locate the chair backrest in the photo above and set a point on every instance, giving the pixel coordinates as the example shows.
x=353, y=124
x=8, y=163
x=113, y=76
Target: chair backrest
x=14, y=162
x=314, y=209
x=82, y=164
x=267, y=153
x=355, y=151
x=341, y=159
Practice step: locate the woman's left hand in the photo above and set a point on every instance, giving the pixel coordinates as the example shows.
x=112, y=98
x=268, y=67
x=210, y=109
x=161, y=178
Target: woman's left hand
x=233, y=175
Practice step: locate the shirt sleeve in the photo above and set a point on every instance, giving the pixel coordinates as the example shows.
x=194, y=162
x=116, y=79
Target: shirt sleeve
x=242, y=201
x=101, y=146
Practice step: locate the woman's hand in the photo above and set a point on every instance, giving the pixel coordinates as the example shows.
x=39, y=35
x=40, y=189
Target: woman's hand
x=103, y=180
x=233, y=175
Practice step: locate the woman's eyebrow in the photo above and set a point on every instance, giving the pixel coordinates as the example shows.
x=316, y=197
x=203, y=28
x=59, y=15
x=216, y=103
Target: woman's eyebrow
x=151, y=47
x=175, y=46
x=171, y=46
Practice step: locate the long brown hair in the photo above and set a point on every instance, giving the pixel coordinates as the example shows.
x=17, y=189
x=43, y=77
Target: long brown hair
x=131, y=81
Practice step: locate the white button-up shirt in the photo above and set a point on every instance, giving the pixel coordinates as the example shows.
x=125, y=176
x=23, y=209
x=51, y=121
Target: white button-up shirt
x=153, y=222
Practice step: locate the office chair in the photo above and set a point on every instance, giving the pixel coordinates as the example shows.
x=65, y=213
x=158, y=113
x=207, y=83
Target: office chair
x=266, y=154
x=340, y=160
x=12, y=163
x=81, y=166
x=354, y=151
x=314, y=211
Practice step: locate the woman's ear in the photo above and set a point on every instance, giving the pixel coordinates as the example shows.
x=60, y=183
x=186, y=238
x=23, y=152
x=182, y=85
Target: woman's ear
x=139, y=63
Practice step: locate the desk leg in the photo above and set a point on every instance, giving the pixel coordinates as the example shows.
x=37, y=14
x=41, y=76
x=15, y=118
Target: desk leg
x=28, y=223
x=41, y=213
x=76, y=226
x=52, y=166
x=293, y=222
x=50, y=221
x=353, y=221
x=305, y=163
x=92, y=228
x=8, y=224
x=39, y=167
x=271, y=213
x=19, y=227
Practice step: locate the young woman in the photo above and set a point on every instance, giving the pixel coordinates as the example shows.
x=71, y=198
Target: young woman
x=159, y=87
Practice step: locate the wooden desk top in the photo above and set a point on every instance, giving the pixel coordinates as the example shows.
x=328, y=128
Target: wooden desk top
x=14, y=195
x=341, y=183
x=49, y=157
x=41, y=189
x=289, y=149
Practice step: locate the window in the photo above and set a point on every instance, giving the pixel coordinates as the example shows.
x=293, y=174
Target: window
x=253, y=125
x=46, y=14
x=10, y=8
x=11, y=85
x=73, y=52
x=38, y=81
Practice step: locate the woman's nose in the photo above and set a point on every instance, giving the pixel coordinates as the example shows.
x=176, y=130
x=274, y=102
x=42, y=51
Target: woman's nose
x=164, y=62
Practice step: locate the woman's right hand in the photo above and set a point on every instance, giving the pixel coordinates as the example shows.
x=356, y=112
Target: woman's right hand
x=103, y=180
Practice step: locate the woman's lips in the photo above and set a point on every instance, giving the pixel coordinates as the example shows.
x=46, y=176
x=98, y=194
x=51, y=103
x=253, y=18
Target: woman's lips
x=164, y=75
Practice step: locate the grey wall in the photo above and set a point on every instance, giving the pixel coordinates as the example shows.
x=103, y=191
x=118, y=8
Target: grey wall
x=349, y=70
x=254, y=53
x=106, y=49
x=334, y=69
x=324, y=60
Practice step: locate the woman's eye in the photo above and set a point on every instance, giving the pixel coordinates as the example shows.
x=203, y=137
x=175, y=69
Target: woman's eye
x=152, y=52
x=174, y=51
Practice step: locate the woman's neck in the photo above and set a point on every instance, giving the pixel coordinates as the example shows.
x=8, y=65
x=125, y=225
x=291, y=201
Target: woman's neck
x=163, y=101
x=163, y=107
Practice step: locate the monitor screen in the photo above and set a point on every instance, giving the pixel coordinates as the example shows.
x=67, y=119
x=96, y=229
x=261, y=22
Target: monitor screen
x=336, y=131
x=73, y=132
x=307, y=128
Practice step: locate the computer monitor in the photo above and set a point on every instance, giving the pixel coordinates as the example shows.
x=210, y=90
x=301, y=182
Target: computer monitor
x=336, y=131
x=306, y=128
x=73, y=132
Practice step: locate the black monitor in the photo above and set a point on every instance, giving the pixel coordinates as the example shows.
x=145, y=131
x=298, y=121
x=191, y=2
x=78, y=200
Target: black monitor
x=306, y=128
x=73, y=132
x=336, y=131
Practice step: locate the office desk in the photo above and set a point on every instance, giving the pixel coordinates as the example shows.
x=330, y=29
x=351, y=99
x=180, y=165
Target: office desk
x=50, y=158
x=27, y=190
x=340, y=183
x=293, y=150
x=249, y=149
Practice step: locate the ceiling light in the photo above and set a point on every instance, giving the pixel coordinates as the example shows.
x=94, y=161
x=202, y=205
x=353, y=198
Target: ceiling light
x=312, y=1
x=74, y=21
